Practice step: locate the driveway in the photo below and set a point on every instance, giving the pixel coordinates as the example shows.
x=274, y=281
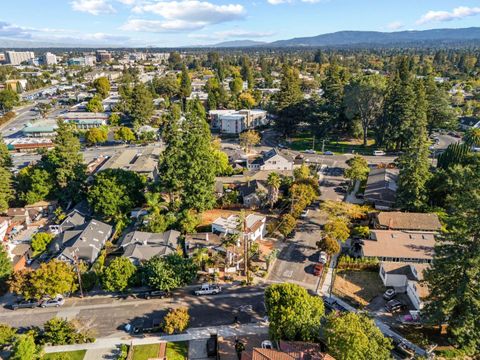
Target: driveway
x=296, y=260
x=331, y=179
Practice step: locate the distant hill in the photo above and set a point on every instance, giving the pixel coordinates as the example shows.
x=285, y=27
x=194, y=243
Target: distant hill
x=348, y=38
x=237, y=43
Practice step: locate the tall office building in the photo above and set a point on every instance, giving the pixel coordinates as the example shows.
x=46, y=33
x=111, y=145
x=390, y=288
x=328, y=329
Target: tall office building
x=103, y=56
x=49, y=59
x=18, y=57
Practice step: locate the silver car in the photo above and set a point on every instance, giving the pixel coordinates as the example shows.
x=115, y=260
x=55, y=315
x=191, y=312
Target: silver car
x=55, y=302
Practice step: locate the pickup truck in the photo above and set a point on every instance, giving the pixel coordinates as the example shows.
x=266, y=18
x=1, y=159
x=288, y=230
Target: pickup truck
x=208, y=289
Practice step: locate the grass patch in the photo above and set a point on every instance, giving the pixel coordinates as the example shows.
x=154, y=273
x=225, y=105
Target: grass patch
x=177, y=350
x=358, y=286
x=304, y=141
x=145, y=352
x=70, y=355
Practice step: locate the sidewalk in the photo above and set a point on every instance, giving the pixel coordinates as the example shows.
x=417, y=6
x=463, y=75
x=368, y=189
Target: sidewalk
x=327, y=283
x=190, y=334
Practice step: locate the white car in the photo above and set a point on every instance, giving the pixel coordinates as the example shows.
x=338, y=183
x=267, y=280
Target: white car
x=208, y=289
x=310, y=151
x=322, y=257
x=304, y=213
x=379, y=153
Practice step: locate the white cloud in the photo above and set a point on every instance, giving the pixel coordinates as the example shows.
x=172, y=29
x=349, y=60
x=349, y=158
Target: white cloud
x=182, y=15
x=229, y=34
x=94, y=7
x=457, y=13
x=13, y=31
x=278, y=2
x=395, y=25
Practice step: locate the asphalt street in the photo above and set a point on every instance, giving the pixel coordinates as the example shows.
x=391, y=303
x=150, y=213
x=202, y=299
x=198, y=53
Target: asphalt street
x=107, y=316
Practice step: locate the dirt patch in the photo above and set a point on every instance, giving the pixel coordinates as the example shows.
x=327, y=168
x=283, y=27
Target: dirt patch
x=209, y=216
x=359, y=286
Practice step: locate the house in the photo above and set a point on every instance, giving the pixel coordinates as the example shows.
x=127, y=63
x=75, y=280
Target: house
x=272, y=160
x=19, y=216
x=143, y=162
x=20, y=256
x=139, y=246
x=469, y=122
x=396, y=220
x=83, y=242
x=381, y=188
x=74, y=219
x=254, y=226
x=253, y=194
x=405, y=277
x=4, y=225
x=399, y=246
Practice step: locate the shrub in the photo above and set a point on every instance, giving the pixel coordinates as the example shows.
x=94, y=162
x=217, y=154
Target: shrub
x=176, y=320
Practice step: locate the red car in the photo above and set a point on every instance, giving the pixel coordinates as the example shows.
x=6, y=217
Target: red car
x=318, y=269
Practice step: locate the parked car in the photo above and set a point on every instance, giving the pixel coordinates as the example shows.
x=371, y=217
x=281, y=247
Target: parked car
x=25, y=304
x=318, y=269
x=389, y=294
x=322, y=257
x=304, y=213
x=55, y=302
x=394, y=306
x=155, y=294
x=379, y=153
x=327, y=153
x=208, y=289
x=310, y=151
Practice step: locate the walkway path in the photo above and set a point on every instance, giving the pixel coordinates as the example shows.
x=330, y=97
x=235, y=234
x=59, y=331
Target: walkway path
x=328, y=282
x=190, y=334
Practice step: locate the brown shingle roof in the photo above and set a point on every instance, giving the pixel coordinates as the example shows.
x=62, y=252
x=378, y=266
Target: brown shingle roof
x=397, y=220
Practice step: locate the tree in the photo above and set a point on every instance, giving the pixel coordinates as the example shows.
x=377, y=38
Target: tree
x=5, y=158
x=222, y=165
x=236, y=85
x=166, y=86
x=176, y=320
x=329, y=245
x=248, y=139
x=141, y=105
x=286, y=101
x=102, y=85
x=96, y=135
x=44, y=109
x=40, y=241
x=8, y=100
x=185, y=84
x=59, y=332
x=337, y=229
x=293, y=313
x=6, y=267
x=7, y=335
x=188, y=221
x=247, y=101
x=119, y=274
x=95, y=104
x=6, y=189
x=414, y=164
x=273, y=182
x=364, y=98
x=25, y=348
x=287, y=224
x=351, y=336
x=124, y=134
x=65, y=164
x=115, y=191
x=440, y=114
x=453, y=277
x=358, y=169
x=33, y=184
x=114, y=119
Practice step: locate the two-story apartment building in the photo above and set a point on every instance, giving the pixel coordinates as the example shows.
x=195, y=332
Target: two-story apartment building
x=272, y=160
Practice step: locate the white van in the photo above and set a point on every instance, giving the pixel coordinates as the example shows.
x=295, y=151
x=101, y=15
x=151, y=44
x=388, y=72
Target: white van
x=379, y=153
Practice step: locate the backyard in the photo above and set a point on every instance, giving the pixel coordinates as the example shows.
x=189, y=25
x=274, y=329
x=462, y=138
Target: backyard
x=304, y=141
x=70, y=355
x=359, y=287
x=174, y=351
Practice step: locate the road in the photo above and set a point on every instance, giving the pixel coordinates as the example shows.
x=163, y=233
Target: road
x=107, y=316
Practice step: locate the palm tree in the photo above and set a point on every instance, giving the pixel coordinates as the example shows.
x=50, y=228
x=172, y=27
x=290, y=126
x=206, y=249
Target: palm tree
x=200, y=257
x=273, y=183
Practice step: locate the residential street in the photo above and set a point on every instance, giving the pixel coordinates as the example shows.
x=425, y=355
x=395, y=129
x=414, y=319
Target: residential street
x=107, y=316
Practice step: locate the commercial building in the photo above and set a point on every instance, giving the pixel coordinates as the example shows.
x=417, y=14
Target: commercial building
x=103, y=56
x=86, y=120
x=82, y=61
x=46, y=128
x=234, y=122
x=18, y=57
x=48, y=59
x=143, y=162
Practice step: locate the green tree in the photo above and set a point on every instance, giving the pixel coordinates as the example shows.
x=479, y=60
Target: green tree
x=337, y=228
x=25, y=348
x=293, y=313
x=248, y=139
x=95, y=104
x=273, y=181
x=6, y=189
x=118, y=275
x=102, y=85
x=453, y=277
x=8, y=335
x=124, y=134
x=364, y=98
x=440, y=114
x=350, y=336
x=6, y=267
x=185, y=84
x=114, y=119
x=40, y=241
x=54, y=278
x=188, y=221
x=329, y=245
x=65, y=164
x=176, y=320
x=414, y=164
x=287, y=224
x=236, y=85
x=358, y=169
x=286, y=100
x=95, y=136
x=8, y=100
x=222, y=165
x=115, y=191
x=141, y=105
x=5, y=158
x=33, y=184
x=166, y=86
x=59, y=332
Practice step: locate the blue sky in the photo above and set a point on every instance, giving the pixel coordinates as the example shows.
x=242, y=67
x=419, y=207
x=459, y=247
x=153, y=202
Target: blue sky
x=189, y=22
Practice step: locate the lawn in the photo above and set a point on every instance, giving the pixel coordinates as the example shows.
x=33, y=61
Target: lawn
x=358, y=286
x=304, y=141
x=177, y=350
x=145, y=352
x=72, y=355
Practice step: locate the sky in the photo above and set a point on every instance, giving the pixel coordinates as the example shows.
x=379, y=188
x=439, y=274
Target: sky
x=162, y=23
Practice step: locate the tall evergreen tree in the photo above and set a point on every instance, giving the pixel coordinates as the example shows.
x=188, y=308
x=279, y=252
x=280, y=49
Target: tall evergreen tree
x=141, y=105
x=413, y=164
x=440, y=113
x=185, y=84
x=5, y=158
x=289, y=96
x=455, y=273
x=6, y=189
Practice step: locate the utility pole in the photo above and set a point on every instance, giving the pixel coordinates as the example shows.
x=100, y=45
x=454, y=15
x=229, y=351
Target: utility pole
x=323, y=145
x=77, y=267
x=313, y=143
x=245, y=245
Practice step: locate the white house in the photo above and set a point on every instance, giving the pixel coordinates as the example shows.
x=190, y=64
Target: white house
x=272, y=160
x=254, y=226
x=234, y=122
x=406, y=278
x=4, y=224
